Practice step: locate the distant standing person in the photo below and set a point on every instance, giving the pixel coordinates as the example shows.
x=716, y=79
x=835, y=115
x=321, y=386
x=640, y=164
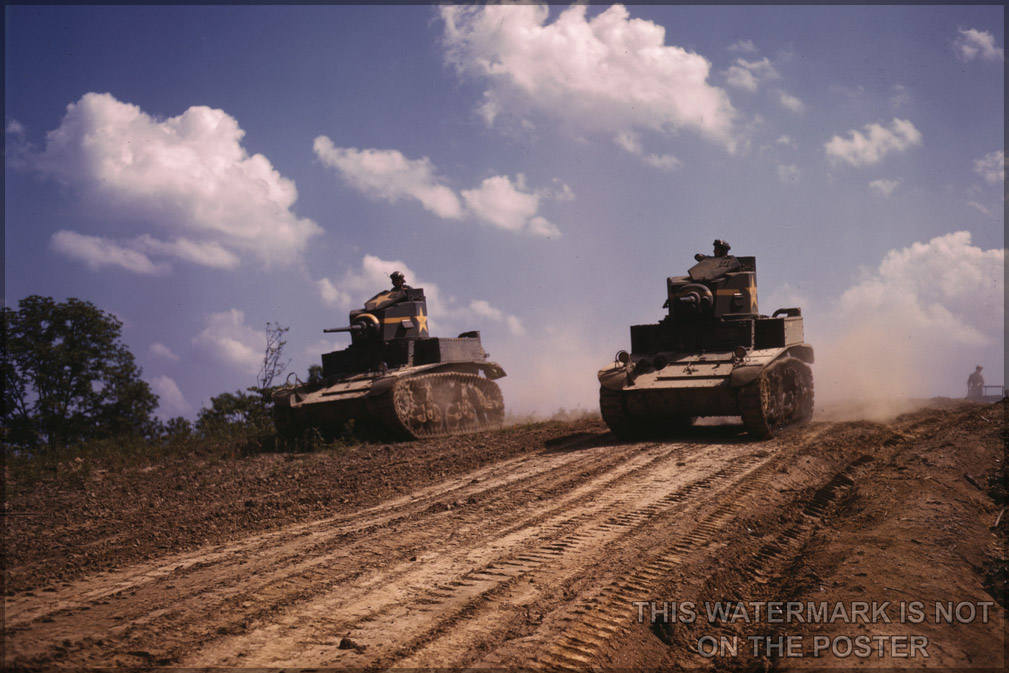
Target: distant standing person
x=975, y=385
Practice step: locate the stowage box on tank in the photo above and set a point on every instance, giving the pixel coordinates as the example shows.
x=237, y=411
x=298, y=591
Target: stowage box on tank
x=395, y=378
x=713, y=354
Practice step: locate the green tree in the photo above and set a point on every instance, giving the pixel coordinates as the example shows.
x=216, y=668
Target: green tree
x=237, y=412
x=67, y=377
x=176, y=429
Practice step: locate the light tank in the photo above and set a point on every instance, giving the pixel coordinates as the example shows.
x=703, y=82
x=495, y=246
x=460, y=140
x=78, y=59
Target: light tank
x=395, y=379
x=713, y=354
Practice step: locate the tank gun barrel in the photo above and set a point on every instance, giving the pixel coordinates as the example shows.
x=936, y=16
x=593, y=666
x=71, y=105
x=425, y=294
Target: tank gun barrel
x=356, y=327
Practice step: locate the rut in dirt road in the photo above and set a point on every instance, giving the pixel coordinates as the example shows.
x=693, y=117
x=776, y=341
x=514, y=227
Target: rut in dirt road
x=544, y=561
x=532, y=561
x=393, y=612
x=413, y=562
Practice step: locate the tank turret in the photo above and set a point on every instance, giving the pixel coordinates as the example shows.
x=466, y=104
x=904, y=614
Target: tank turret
x=713, y=354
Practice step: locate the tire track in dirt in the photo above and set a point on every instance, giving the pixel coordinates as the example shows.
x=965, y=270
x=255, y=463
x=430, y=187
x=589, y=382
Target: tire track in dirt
x=291, y=541
x=533, y=563
x=25, y=608
x=387, y=618
x=603, y=619
x=254, y=577
x=422, y=581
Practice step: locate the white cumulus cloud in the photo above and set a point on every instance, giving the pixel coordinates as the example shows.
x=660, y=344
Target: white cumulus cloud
x=508, y=205
x=541, y=226
x=979, y=208
x=862, y=149
x=884, y=186
x=562, y=192
x=171, y=401
x=98, y=252
x=333, y=295
x=743, y=47
x=188, y=176
x=630, y=142
x=162, y=351
x=972, y=43
x=227, y=338
x=606, y=74
x=910, y=322
x=748, y=75
x=665, y=162
x=204, y=253
x=947, y=283
x=483, y=309
x=991, y=167
x=389, y=175
x=790, y=102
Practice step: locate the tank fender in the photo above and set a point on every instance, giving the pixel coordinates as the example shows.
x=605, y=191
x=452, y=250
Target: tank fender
x=803, y=352
x=747, y=373
x=491, y=370
x=613, y=378
x=381, y=385
x=742, y=375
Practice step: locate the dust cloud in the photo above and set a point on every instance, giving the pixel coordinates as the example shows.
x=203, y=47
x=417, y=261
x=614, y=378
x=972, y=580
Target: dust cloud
x=911, y=330
x=553, y=374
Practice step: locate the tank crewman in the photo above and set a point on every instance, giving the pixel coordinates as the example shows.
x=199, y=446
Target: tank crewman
x=398, y=281
x=975, y=385
x=386, y=297
x=709, y=268
x=721, y=250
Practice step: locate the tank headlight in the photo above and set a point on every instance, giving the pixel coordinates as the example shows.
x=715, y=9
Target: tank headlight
x=660, y=362
x=623, y=357
x=740, y=352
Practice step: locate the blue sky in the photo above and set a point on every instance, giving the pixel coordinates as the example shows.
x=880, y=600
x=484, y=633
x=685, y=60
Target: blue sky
x=539, y=171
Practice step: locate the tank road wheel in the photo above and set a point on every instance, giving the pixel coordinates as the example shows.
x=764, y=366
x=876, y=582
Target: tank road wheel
x=434, y=405
x=486, y=403
x=416, y=407
x=780, y=396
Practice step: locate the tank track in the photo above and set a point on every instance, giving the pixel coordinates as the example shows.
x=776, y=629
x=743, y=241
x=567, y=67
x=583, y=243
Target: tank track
x=436, y=405
x=782, y=395
x=628, y=426
x=611, y=406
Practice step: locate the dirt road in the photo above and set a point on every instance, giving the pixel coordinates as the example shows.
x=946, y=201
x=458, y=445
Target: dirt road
x=555, y=558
